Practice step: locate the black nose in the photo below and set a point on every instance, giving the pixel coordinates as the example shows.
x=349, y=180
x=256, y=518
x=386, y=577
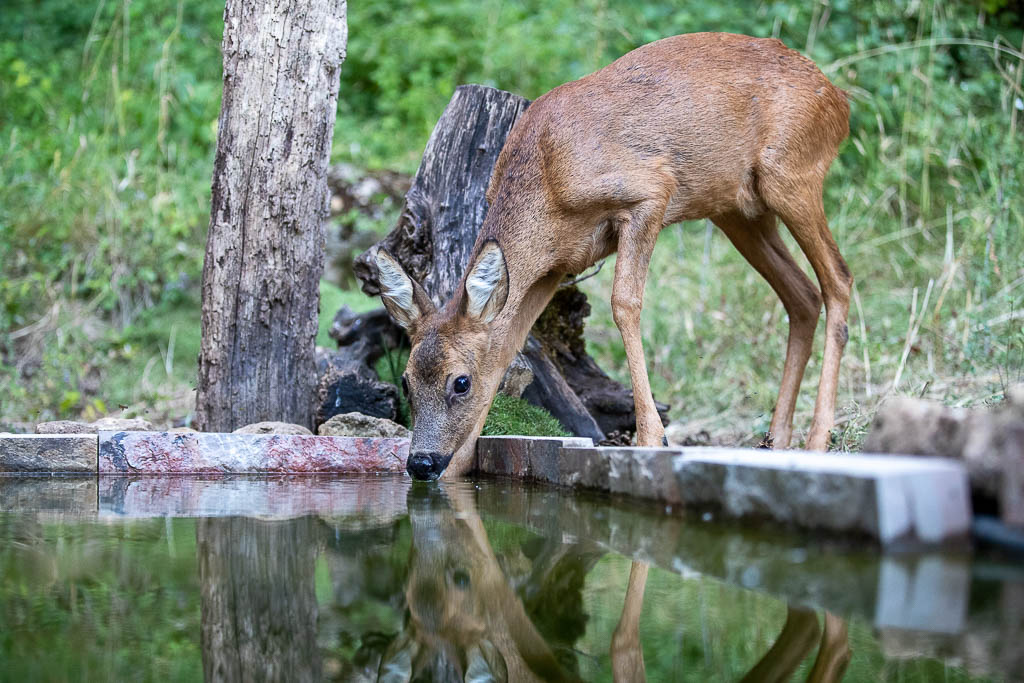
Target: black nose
x=426, y=466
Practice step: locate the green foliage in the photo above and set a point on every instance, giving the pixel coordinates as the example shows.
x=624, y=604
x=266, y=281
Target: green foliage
x=510, y=415
x=108, y=117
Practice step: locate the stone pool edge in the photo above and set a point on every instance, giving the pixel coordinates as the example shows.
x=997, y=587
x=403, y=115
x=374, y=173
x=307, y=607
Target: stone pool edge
x=896, y=501
x=900, y=502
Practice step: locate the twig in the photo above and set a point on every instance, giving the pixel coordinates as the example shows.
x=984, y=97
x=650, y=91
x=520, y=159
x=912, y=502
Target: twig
x=581, y=278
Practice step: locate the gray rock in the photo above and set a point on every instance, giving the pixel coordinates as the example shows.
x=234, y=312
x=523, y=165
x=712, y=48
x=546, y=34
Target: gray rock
x=272, y=428
x=357, y=424
x=122, y=424
x=46, y=453
x=517, y=377
x=988, y=441
x=65, y=427
x=113, y=424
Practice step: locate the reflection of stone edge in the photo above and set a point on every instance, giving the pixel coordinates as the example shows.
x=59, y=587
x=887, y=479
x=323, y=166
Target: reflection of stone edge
x=898, y=502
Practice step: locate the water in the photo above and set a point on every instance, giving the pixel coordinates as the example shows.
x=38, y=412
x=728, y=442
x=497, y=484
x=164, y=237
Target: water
x=310, y=578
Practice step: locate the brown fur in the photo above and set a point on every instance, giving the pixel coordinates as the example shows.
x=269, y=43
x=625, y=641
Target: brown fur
x=710, y=125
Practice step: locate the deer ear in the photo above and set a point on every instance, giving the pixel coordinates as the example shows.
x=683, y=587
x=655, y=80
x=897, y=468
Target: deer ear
x=404, y=299
x=487, y=283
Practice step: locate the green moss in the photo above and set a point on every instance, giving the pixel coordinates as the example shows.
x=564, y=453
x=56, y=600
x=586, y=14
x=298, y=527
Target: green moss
x=515, y=416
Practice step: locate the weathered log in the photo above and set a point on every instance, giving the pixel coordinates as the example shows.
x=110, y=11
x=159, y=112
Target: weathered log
x=434, y=237
x=447, y=202
x=264, y=252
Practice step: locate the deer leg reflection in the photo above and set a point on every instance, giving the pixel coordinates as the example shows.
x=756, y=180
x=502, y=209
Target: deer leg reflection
x=627, y=655
x=834, y=653
x=796, y=641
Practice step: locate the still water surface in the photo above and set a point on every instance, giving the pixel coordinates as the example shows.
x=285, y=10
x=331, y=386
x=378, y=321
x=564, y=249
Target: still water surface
x=310, y=578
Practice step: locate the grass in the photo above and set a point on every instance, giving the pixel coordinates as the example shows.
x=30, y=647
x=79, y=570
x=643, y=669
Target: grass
x=107, y=130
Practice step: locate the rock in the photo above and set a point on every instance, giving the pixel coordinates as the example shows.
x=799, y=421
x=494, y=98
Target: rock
x=517, y=377
x=65, y=427
x=48, y=453
x=357, y=424
x=112, y=424
x=272, y=428
x=122, y=424
x=182, y=430
x=349, y=386
x=988, y=441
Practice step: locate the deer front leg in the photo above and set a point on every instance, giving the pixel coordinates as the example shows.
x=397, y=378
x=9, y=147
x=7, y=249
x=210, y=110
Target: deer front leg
x=627, y=655
x=637, y=235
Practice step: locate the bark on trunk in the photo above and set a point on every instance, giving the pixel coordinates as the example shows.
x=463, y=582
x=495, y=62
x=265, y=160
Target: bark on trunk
x=264, y=252
x=435, y=235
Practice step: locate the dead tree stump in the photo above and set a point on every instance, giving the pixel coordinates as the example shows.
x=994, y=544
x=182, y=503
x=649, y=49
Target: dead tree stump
x=433, y=240
x=264, y=251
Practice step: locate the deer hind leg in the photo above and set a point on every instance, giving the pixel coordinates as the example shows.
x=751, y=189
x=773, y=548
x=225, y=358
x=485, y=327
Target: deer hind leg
x=834, y=653
x=758, y=240
x=627, y=655
x=637, y=235
x=798, y=203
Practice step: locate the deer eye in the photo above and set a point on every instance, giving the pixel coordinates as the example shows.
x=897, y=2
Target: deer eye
x=405, y=386
x=461, y=384
x=461, y=579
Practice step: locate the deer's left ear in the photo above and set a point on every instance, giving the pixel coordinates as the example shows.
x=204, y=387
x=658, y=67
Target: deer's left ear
x=487, y=283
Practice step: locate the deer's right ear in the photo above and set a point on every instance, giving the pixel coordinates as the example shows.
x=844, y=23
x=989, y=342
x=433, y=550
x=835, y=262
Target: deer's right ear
x=404, y=299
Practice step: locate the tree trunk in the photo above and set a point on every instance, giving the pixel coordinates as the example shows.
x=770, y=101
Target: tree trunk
x=444, y=210
x=264, y=252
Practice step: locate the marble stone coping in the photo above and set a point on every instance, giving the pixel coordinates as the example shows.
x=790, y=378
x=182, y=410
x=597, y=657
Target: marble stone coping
x=216, y=453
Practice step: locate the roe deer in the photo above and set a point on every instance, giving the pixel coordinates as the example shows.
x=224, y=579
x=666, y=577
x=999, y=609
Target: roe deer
x=710, y=125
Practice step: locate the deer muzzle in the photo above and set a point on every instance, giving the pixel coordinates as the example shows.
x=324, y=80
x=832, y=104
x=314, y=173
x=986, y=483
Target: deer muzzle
x=427, y=466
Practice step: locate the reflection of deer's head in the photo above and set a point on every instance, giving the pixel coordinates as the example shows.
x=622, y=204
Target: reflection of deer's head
x=465, y=622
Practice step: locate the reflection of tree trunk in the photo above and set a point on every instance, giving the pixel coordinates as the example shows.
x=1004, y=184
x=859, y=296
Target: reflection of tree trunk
x=259, y=611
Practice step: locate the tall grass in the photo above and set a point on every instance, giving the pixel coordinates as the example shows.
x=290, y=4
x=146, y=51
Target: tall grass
x=107, y=124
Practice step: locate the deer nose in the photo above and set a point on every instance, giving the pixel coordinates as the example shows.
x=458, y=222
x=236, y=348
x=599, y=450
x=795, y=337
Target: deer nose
x=426, y=466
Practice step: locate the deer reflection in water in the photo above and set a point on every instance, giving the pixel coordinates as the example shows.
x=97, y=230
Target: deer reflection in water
x=465, y=619
x=468, y=621
x=470, y=615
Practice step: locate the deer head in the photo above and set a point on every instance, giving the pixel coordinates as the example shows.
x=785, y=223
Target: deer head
x=457, y=358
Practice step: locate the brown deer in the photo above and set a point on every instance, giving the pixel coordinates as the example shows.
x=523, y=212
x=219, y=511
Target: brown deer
x=710, y=125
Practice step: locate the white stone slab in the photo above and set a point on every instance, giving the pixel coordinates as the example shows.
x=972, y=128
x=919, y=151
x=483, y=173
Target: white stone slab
x=894, y=499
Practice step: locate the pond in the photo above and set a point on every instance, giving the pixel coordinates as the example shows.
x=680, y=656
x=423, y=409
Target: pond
x=366, y=579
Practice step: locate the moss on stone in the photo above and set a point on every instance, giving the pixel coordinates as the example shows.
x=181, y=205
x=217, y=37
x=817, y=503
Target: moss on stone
x=511, y=415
